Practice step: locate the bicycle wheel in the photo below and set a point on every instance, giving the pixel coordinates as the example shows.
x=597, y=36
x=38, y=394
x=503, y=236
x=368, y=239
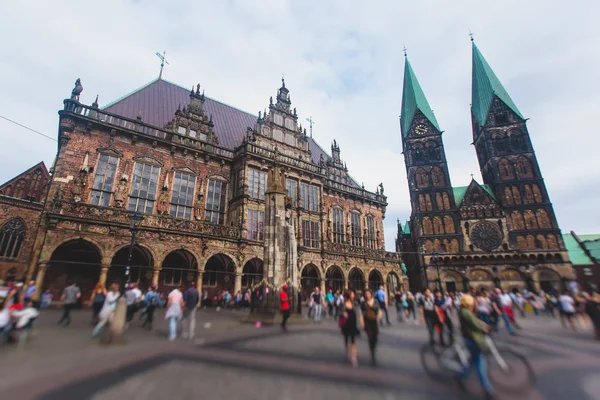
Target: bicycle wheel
x=512, y=373
x=432, y=363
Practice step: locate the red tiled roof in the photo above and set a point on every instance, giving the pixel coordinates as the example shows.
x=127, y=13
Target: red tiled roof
x=158, y=100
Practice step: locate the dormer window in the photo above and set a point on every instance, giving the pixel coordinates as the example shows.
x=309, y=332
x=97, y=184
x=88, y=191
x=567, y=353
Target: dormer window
x=192, y=133
x=181, y=130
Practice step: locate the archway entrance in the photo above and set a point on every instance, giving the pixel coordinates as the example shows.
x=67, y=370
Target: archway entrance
x=451, y=281
x=179, y=267
x=253, y=273
x=75, y=261
x=549, y=280
x=356, y=280
x=375, y=280
x=480, y=278
x=141, y=267
x=334, y=279
x=219, y=274
x=393, y=284
x=309, y=280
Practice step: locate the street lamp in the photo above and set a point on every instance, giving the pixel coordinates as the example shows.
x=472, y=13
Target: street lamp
x=135, y=220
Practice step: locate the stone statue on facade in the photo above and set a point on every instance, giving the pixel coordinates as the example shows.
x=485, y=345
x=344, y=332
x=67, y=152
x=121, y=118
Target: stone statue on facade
x=163, y=201
x=78, y=185
x=121, y=193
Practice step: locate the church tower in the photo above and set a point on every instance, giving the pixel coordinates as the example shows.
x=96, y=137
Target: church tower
x=434, y=217
x=508, y=162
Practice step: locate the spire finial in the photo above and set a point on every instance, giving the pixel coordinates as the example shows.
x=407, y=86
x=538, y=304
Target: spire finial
x=95, y=103
x=405, y=50
x=163, y=61
x=472, y=176
x=282, y=80
x=471, y=34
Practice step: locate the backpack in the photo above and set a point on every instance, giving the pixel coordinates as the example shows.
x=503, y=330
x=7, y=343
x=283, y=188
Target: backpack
x=154, y=300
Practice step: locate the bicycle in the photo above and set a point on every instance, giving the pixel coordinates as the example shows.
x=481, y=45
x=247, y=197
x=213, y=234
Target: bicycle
x=505, y=365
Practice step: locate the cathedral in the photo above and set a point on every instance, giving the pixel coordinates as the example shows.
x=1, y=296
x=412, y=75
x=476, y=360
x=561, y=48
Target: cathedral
x=167, y=186
x=499, y=233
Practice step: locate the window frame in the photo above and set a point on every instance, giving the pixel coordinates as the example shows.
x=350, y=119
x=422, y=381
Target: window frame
x=13, y=238
x=370, y=221
x=150, y=199
x=257, y=183
x=221, y=205
x=255, y=224
x=293, y=183
x=310, y=233
x=355, y=229
x=188, y=200
x=104, y=189
x=338, y=225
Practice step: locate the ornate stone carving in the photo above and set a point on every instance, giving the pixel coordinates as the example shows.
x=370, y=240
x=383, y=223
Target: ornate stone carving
x=486, y=235
x=121, y=193
x=163, y=202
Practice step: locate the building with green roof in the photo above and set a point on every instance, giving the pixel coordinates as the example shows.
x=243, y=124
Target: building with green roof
x=501, y=231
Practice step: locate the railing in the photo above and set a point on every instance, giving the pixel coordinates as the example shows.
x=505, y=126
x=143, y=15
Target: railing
x=120, y=216
x=361, y=251
x=356, y=191
x=142, y=128
x=283, y=158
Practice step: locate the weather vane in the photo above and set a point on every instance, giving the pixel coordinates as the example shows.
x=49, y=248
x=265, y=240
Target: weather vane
x=471, y=34
x=163, y=61
x=405, y=50
x=311, y=123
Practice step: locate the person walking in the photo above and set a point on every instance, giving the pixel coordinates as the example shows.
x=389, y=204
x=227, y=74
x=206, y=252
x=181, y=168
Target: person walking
x=371, y=313
x=473, y=332
x=399, y=306
x=132, y=295
x=592, y=309
x=442, y=304
x=329, y=302
x=317, y=300
x=284, y=306
x=152, y=300
x=483, y=306
x=108, y=309
x=191, y=298
x=97, y=302
x=29, y=292
x=411, y=307
x=70, y=296
x=567, y=309
x=427, y=304
x=383, y=304
x=175, y=305
x=348, y=322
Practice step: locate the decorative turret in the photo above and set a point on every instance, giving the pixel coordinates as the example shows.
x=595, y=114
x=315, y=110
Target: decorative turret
x=335, y=151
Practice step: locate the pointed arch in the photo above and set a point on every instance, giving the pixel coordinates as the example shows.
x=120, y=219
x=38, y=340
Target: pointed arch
x=437, y=177
x=12, y=235
x=524, y=167
x=422, y=205
x=530, y=220
x=543, y=220
x=438, y=201
x=334, y=278
x=356, y=279
x=537, y=194
x=508, y=196
x=178, y=267
x=528, y=195
x=142, y=262
x=530, y=242
x=428, y=201
x=516, y=195
x=375, y=280
x=540, y=242
x=449, y=224
x=427, y=226
x=438, y=226
x=446, y=201
x=506, y=170
x=421, y=178
x=253, y=272
x=517, y=220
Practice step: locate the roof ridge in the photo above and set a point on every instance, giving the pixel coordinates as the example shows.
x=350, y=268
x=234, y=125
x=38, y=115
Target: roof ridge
x=112, y=103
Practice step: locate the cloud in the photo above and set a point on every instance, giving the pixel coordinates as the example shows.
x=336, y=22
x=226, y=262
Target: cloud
x=343, y=64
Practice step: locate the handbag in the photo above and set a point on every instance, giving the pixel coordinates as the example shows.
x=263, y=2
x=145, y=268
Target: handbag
x=342, y=321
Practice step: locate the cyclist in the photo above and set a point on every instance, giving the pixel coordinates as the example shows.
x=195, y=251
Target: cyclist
x=473, y=332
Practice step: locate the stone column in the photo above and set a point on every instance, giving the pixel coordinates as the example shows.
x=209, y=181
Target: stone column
x=155, y=275
x=199, y=282
x=39, y=280
x=104, y=271
x=238, y=284
x=323, y=286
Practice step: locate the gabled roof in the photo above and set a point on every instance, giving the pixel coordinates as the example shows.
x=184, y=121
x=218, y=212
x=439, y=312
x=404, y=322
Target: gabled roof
x=38, y=165
x=486, y=86
x=414, y=99
x=460, y=192
x=580, y=247
x=158, y=100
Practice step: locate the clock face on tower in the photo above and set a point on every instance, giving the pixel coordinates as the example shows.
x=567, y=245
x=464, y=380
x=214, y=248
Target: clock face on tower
x=421, y=129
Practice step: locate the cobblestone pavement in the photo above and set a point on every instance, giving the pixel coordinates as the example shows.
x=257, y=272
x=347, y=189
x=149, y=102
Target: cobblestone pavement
x=230, y=360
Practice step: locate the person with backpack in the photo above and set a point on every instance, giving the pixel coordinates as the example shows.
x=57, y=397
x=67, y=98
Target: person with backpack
x=97, y=302
x=152, y=301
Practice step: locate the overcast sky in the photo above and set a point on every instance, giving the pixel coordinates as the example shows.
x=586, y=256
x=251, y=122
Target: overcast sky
x=343, y=64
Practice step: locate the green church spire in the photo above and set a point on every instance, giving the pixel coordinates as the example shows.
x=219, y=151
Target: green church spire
x=485, y=86
x=413, y=99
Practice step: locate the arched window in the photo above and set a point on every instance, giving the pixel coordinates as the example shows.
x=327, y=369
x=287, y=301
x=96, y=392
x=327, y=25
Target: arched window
x=19, y=189
x=530, y=242
x=517, y=220
x=508, y=196
x=12, y=234
x=449, y=224
x=437, y=177
x=537, y=194
x=530, y=221
x=524, y=168
x=528, y=195
x=422, y=205
x=428, y=201
x=540, y=242
x=517, y=143
x=551, y=241
x=543, y=220
x=433, y=153
x=438, y=226
x=418, y=154
x=422, y=178
x=506, y=169
x=446, y=201
x=438, y=201
x=427, y=226
x=516, y=195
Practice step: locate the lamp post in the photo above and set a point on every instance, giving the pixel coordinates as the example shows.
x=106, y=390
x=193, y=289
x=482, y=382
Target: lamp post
x=437, y=268
x=135, y=220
